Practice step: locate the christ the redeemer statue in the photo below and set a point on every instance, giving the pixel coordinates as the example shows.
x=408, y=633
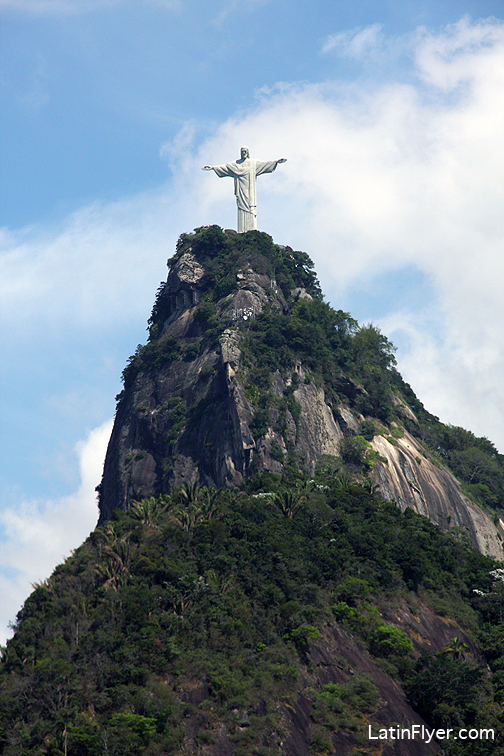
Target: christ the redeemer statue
x=244, y=171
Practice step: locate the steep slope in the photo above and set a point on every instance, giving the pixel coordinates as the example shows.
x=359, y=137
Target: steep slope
x=223, y=624
x=412, y=479
x=248, y=371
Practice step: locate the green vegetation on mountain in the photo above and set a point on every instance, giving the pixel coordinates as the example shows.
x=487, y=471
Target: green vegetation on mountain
x=224, y=594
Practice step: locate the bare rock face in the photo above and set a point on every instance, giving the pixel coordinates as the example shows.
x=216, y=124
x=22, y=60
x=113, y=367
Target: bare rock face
x=190, y=420
x=188, y=413
x=411, y=479
x=319, y=432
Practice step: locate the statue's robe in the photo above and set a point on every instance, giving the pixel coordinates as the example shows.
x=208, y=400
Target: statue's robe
x=244, y=173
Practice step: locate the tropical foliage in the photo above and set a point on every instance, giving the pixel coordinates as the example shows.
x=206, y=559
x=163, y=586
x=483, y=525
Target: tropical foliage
x=204, y=606
x=353, y=363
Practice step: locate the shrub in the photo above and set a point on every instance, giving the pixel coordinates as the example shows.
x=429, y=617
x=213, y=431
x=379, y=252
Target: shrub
x=388, y=640
x=206, y=371
x=277, y=452
x=191, y=351
x=343, y=612
x=206, y=314
x=353, y=450
x=361, y=694
x=302, y=636
x=351, y=589
x=367, y=430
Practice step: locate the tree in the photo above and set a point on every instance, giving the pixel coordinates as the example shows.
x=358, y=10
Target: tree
x=288, y=502
x=457, y=648
x=388, y=640
x=444, y=689
x=148, y=510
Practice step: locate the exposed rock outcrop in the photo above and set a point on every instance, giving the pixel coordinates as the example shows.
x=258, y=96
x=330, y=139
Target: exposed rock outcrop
x=411, y=479
x=189, y=413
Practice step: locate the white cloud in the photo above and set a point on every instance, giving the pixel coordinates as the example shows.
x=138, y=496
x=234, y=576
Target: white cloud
x=447, y=59
x=40, y=534
x=95, y=259
x=178, y=151
x=405, y=174
x=355, y=43
x=455, y=378
x=236, y=6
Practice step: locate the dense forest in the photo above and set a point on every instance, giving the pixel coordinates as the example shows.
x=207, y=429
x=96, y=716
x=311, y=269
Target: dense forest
x=232, y=589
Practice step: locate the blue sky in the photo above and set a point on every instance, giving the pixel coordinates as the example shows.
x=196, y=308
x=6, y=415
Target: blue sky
x=391, y=117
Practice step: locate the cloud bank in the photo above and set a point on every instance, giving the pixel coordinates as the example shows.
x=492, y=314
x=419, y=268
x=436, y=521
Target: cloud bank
x=39, y=535
x=356, y=43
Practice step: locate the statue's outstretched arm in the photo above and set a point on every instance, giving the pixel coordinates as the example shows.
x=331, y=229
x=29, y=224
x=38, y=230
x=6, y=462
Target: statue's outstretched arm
x=267, y=166
x=229, y=169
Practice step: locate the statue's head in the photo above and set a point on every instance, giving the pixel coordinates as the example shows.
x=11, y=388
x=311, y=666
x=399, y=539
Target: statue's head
x=244, y=153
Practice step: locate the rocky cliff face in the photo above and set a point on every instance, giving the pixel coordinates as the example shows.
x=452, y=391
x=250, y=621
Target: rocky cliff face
x=189, y=411
x=410, y=478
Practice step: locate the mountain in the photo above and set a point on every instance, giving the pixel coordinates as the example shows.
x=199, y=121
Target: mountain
x=262, y=581
x=249, y=371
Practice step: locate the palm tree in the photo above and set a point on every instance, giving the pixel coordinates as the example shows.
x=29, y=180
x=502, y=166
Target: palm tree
x=189, y=493
x=108, y=532
x=115, y=566
x=370, y=486
x=186, y=517
x=342, y=481
x=305, y=487
x=288, y=502
x=197, y=504
x=218, y=584
x=210, y=504
x=457, y=648
x=148, y=510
